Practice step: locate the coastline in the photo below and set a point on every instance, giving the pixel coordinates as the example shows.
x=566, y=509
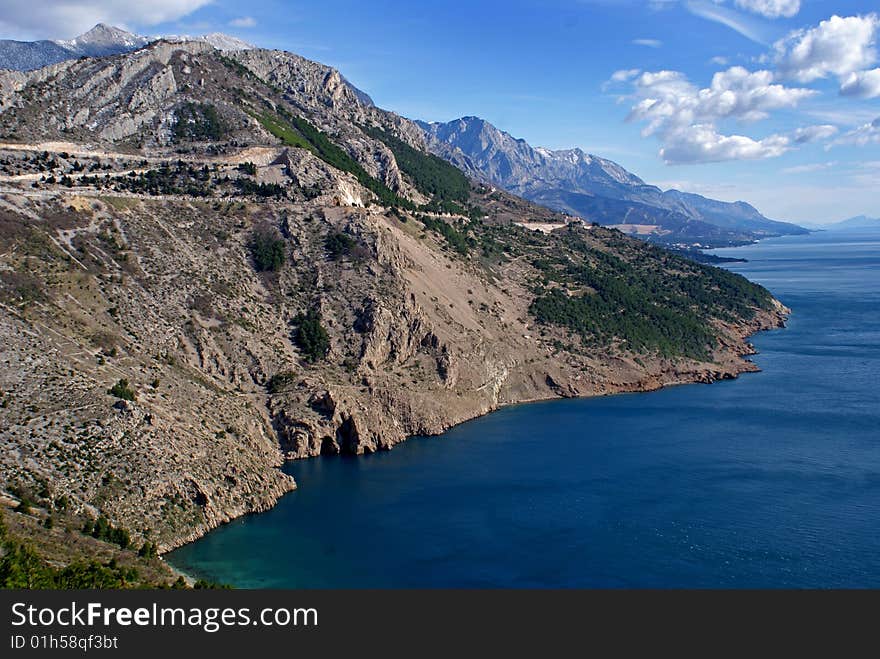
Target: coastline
x=214, y=428
x=737, y=365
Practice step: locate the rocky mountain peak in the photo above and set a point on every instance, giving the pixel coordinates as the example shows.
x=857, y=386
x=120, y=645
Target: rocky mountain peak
x=104, y=39
x=595, y=188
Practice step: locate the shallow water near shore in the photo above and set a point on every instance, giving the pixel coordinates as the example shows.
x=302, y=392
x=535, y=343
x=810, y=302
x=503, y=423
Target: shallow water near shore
x=772, y=480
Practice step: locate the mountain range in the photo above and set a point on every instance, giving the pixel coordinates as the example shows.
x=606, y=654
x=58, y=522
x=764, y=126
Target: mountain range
x=100, y=41
x=570, y=181
x=595, y=188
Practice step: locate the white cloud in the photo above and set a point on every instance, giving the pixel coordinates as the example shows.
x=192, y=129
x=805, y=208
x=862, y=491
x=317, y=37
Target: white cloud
x=624, y=75
x=650, y=43
x=703, y=143
x=619, y=77
x=861, y=84
x=771, y=8
x=748, y=26
x=713, y=11
x=747, y=95
x=685, y=117
x=837, y=46
x=809, y=169
x=813, y=133
x=52, y=19
x=244, y=22
x=718, y=60
x=861, y=136
x=843, y=116
x=668, y=98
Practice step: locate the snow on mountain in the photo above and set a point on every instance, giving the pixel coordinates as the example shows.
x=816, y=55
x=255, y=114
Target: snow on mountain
x=104, y=40
x=218, y=40
x=101, y=41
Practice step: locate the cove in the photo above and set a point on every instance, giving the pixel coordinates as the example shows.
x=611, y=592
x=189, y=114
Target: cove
x=768, y=481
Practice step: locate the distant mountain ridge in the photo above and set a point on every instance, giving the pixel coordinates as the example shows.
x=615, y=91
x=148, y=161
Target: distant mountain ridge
x=570, y=180
x=595, y=188
x=857, y=222
x=101, y=41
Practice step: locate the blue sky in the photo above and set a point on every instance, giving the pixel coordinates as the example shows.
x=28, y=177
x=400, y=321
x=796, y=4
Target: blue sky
x=788, y=123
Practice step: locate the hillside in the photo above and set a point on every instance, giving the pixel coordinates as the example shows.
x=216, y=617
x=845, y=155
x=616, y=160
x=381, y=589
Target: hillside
x=596, y=189
x=212, y=262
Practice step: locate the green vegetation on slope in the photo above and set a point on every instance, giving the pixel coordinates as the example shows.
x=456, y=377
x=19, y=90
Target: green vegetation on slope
x=197, y=122
x=667, y=310
x=311, y=337
x=446, y=185
x=178, y=178
x=431, y=175
x=122, y=390
x=21, y=566
x=102, y=529
x=457, y=240
x=340, y=245
x=32, y=558
x=298, y=132
x=267, y=250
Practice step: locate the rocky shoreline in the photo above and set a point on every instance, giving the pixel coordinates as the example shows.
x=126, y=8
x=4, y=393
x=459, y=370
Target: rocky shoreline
x=736, y=366
x=420, y=340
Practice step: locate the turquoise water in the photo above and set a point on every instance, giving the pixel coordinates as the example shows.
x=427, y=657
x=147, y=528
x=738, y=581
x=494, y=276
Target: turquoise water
x=772, y=480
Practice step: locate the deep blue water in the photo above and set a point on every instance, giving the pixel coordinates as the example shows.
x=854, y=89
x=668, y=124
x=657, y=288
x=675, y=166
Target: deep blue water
x=772, y=480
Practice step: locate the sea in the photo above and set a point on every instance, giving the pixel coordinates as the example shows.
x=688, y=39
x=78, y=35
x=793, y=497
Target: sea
x=768, y=481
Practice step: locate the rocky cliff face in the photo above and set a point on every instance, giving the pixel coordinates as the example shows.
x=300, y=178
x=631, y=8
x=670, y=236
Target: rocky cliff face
x=229, y=261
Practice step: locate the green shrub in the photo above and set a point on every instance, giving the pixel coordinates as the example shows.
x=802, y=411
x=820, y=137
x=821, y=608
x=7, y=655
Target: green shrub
x=197, y=122
x=647, y=298
x=122, y=390
x=22, y=567
x=267, y=250
x=148, y=550
x=280, y=381
x=311, y=337
x=339, y=245
x=203, y=584
x=457, y=240
x=102, y=529
x=248, y=187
